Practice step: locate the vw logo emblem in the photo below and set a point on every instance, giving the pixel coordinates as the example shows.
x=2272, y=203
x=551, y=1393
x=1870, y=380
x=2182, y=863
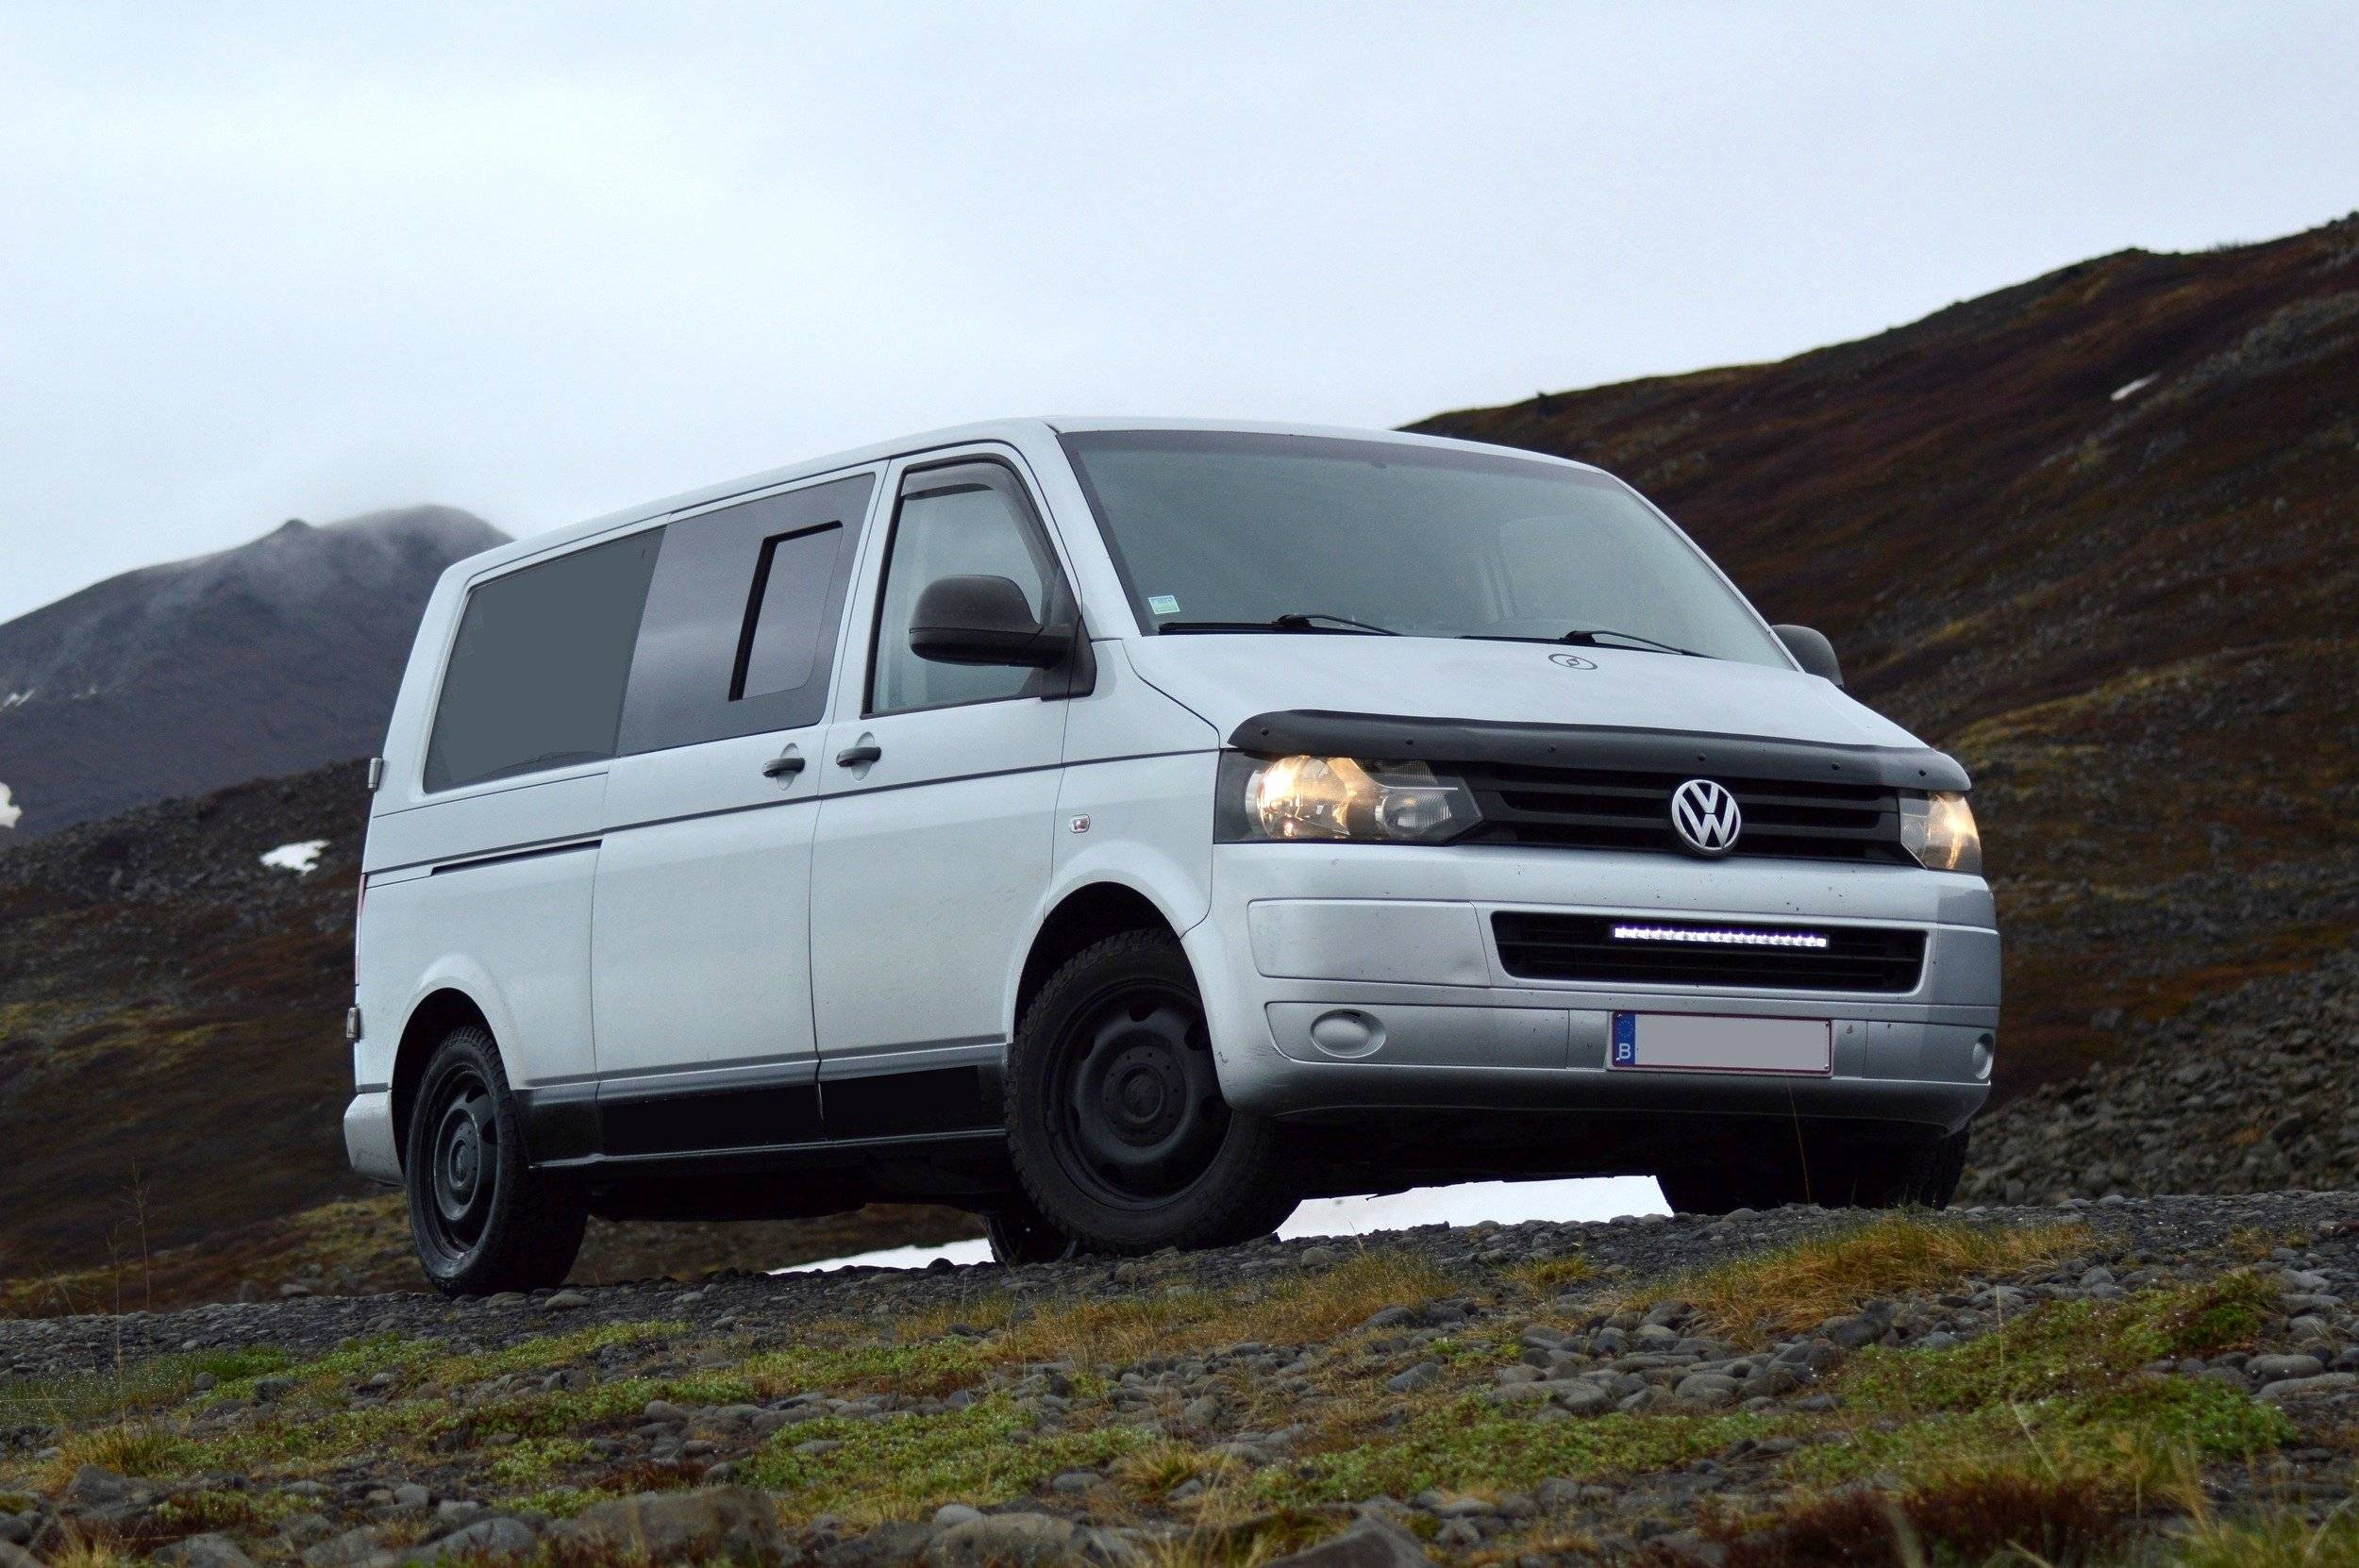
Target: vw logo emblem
x=1571, y=662
x=1706, y=817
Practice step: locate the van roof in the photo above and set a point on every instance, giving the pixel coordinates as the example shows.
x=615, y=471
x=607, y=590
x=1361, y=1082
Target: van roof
x=1016, y=432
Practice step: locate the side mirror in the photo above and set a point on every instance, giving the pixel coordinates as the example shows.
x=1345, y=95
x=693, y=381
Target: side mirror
x=1812, y=651
x=979, y=620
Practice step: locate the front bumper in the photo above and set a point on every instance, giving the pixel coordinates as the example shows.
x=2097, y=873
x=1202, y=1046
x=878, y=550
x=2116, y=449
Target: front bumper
x=1399, y=941
x=369, y=1136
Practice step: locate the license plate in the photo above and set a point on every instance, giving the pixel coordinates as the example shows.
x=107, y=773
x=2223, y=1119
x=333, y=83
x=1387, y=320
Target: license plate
x=1700, y=1043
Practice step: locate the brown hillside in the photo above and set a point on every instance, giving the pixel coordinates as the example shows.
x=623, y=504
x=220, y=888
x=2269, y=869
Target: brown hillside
x=2132, y=612
x=173, y=1071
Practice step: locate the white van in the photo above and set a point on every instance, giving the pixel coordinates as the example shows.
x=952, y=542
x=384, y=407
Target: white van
x=1125, y=829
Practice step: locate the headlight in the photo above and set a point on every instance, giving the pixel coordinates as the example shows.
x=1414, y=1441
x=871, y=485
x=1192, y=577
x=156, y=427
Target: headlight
x=1339, y=798
x=1939, y=830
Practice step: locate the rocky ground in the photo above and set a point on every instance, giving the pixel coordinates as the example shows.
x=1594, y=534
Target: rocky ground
x=2130, y=1380
x=2244, y=1092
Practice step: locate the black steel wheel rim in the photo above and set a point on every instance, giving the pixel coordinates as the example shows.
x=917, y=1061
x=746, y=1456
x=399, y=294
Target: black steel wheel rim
x=1135, y=1112
x=463, y=1165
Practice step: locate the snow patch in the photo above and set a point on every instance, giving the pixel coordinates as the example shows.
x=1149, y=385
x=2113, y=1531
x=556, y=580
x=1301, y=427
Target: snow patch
x=2122, y=394
x=301, y=859
x=9, y=810
x=1588, y=1198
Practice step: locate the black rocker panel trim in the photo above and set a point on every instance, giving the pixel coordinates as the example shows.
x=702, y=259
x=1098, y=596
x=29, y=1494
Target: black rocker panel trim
x=892, y=1105
x=1408, y=739
x=750, y=1117
x=575, y=1124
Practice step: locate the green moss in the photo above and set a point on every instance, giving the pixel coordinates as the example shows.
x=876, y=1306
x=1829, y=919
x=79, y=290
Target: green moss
x=551, y=1351
x=532, y=1462
x=2124, y=1435
x=894, y=1466
x=2064, y=1386
x=233, y=1512
x=919, y=1368
x=1474, y=1353
x=84, y=1398
x=1471, y=1446
x=2064, y=1348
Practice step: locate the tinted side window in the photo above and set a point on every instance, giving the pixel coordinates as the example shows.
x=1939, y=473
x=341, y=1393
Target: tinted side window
x=537, y=673
x=791, y=582
x=971, y=519
x=742, y=619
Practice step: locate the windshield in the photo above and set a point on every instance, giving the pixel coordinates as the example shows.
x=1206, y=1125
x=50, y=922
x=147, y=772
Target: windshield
x=1219, y=530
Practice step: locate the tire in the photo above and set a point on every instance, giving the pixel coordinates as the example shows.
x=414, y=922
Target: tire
x=1114, y=1117
x=1020, y=1233
x=480, y=1218
x=1840, y=1173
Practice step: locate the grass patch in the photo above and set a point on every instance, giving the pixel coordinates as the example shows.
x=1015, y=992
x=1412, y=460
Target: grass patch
x=2275, y=1536
x=2064, y=1386
x=80, y=1399
x=929, y=1367
x=1800, y=1285
x=899, y=1466
x=1551, y=1275
x=2004, y=1516
x=1470, y=1445
x=1310, y=1308
x=133, y=1449
x=2067, y=1347
x=549, y=1352
x=533, y=1462
x=233, y=1512
x=1162, y=1467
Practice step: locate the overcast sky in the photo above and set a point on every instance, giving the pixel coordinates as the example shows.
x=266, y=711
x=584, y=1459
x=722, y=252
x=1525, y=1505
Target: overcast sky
x=261, y=261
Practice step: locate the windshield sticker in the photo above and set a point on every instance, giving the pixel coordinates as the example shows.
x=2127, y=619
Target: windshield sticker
x=1163, y=604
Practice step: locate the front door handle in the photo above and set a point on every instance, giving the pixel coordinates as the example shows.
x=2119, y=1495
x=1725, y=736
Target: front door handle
x=858, y=757
x=786, y=766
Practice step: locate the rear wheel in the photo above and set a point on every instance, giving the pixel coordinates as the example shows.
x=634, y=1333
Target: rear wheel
x=1838, y=1173
x=1020, y=1233
x=1115, y=1119
x=481, y=1219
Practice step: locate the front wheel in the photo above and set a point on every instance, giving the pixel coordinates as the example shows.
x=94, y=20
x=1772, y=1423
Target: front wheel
x=482, y=1218
x=1115, y=1119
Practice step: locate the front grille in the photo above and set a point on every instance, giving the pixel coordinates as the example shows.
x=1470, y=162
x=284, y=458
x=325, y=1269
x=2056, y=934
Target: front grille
x=1618, y=808
x=1707, y=952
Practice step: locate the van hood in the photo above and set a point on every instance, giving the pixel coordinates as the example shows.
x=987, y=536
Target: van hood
x=1229, y=680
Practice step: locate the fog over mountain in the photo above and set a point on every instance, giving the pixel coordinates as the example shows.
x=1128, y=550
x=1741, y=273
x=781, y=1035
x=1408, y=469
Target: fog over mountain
x=278, y=656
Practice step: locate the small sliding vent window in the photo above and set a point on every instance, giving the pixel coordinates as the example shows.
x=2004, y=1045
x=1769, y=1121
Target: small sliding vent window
x=786, y=612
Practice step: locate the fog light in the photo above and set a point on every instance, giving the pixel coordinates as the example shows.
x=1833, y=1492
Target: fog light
x=1717, y=938
x=1346, y=1034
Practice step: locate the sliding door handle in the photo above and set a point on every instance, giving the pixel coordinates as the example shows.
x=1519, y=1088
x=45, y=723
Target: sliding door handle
x=786, y=766
x=858, y=757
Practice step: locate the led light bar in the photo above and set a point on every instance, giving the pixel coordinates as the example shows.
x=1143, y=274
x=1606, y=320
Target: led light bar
x=1720, y=938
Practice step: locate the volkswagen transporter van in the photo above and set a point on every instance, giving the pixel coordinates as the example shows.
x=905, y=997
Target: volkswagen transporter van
x=1125, y=829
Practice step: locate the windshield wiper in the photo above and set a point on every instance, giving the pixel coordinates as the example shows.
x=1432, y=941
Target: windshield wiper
x=1292, y=621
x=1587, y=638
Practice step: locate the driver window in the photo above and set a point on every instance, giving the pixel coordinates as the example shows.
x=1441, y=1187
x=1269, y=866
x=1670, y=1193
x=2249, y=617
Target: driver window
x=968, y=521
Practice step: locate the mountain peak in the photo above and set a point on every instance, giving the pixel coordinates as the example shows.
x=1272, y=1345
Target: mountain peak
x=273, y=656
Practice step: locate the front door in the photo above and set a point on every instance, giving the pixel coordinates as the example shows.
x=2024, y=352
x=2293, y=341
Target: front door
x=700, y=935
x=936, y=821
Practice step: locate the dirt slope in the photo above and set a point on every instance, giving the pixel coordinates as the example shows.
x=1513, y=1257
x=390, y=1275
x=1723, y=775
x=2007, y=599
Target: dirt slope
x=2099, y=534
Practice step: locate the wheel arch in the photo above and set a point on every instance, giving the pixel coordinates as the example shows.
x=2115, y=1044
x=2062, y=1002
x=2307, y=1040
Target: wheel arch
x=1084, y=915
x=436, y=1014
